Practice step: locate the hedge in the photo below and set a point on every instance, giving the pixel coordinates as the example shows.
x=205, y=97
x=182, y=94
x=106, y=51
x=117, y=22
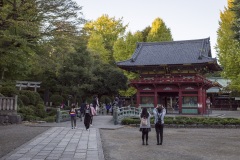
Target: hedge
x=188, y=121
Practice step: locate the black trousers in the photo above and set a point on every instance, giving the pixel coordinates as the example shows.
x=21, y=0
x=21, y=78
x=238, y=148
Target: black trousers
x=159, y=132
x=145, y=134
x=87, y=120
x=73, y=121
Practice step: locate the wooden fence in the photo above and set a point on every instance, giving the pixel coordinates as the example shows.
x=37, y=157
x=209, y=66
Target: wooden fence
x=8, y=110
x=8, y=104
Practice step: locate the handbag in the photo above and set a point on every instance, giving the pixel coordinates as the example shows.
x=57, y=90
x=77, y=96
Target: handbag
x=144, y=121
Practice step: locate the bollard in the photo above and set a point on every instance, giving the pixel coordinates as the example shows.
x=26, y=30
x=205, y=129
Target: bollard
x=115, y=115
x=58, y=116
x=105, y=111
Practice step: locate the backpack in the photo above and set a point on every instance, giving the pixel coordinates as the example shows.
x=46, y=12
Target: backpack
x=144, y=121
x=72, y=113
x=159, y=119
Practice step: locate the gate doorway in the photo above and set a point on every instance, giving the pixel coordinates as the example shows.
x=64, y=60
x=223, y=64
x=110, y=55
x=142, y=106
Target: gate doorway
x=170, y=101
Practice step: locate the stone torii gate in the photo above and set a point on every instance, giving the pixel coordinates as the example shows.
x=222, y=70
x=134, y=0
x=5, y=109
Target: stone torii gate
x=28, y=84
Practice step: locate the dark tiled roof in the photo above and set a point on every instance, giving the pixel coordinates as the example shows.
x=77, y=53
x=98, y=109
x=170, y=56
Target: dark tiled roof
x=173, y=52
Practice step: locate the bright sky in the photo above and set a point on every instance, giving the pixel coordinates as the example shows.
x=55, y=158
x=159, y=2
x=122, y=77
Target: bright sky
x=187, y=19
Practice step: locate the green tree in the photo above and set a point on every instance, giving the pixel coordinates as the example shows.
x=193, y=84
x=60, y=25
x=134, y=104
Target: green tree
x=109, y=80
x=227, y=48
x=96, y=47
x=76, y=76
x=159, y=32
x=19, y=33
x=107, y=30
x=145, y=33
x=236, y=23
x=123, y=49
x=59, y=17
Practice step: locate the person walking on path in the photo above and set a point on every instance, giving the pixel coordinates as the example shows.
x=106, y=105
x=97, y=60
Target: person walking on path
x=145, y=125
x=159, y=113
x=95, y=104
x=73, y=115
x=93, y=113
x=82, y=110
x=87, y=117
x=108, y=107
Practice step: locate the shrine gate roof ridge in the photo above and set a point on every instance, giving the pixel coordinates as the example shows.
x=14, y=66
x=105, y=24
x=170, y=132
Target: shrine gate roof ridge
x=173, y=52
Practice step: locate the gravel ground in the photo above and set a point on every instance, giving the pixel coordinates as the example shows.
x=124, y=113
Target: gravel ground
x=15, y=135
x=178, y=144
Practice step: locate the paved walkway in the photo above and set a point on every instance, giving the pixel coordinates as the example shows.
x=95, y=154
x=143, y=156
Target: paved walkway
x=60, y=142
x=63, y=143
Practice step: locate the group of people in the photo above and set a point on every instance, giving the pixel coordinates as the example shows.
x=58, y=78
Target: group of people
x=145, y=125
x=86, y=110
x=89, y=110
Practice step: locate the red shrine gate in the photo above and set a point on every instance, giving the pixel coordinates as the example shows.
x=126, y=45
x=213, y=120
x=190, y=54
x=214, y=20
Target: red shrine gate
x=179, y=94
x=172, y=73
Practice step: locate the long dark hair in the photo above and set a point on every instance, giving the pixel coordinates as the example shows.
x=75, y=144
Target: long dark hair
x=144, y=113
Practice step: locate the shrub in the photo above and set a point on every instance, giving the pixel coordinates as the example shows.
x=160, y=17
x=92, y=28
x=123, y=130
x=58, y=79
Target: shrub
x=127, y=121
x=25, y=100
x=51, y=111
x=50, y=119
x=27, y=113
x=40, y=111
x=19, y=102
x=8, y=91
x=56, y=100
x=31, y=95
x=188, y=120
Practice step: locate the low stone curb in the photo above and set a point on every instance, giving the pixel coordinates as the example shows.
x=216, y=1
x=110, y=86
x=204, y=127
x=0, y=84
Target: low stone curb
x=193, y=126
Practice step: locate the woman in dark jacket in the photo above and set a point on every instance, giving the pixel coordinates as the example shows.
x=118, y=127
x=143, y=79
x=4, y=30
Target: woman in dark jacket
x=145, y=128
x=87, y=117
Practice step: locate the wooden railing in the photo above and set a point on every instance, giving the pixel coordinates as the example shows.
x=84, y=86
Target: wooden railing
x=8, y=104
x=8, y=110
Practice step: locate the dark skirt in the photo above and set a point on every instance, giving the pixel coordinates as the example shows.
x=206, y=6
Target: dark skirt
x=87, y=120
x=145, y=129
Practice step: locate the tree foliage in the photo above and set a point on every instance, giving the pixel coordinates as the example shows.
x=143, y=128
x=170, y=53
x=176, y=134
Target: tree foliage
x=228, y=49
x=123, y=50
x=19, y=33
x=236, y=23
x=107, y=30
x=159, y=32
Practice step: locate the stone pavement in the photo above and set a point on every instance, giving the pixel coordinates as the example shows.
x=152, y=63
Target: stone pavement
x=63, y=143
x=60, y=142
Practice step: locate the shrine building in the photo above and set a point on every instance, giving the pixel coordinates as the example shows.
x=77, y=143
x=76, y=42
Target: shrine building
x=172, y=73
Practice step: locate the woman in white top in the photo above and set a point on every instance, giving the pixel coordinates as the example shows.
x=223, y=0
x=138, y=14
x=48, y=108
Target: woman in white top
x=145, y=125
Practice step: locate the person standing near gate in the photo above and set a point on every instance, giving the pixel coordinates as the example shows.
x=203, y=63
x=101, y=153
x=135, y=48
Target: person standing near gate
x=145, y=125
x=159, y=113
x=208, y=102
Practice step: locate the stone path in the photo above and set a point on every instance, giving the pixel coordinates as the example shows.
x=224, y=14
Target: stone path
x=63, y=143
x=60, y=142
